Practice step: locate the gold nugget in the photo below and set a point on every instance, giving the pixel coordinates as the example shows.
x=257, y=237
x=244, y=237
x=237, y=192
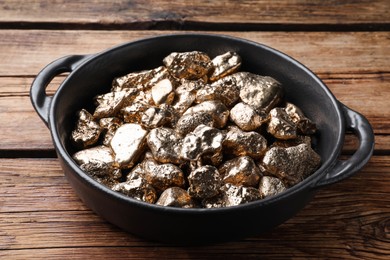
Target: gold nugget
x=258, y=91
x=215, y=108
x=242, y=143
x=291, y=164
x=245, y=117
x=188, y=65
x=176, y=197
x=240, y=171
x=225, y=64
x=87, y=130
x=128, y=143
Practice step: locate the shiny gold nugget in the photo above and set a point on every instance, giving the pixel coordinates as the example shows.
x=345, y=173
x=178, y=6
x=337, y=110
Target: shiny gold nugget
x=225, y=64
x=204, y=140
x=215, y=108
x=303, y=123
x=163, y=176
x=137, y=188
x=204, y=182
x=270, y=186
x=128, y=143
x=87, y=130
x=109, y=126
x=98, y=162
x=185, y=95
x=291, y=164
x=165, y=145
x=109, y=104
x=162, y=92
x=155, y=117
x=245, y=117
x=188, y=122
x=280, y=124
x=258, y=91
x=176, y=197
x=140, y=80
x=240, y=143
x=240, y=171
x=225, y=89
x=188, y=65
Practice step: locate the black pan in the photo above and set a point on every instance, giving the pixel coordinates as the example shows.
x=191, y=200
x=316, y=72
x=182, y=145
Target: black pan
x=92, y=74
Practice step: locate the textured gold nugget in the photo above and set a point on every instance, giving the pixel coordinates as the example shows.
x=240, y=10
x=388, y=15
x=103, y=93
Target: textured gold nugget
x=176, y=197
x=98, y=162
x=109, y=104
x=87, y=130
x=246, y=118
x=137, y=188
x=188, y=65
x=204, y=182
x=165, y=145
x=270, y=186
x=225, y=64
x=258, y=91
x=226, y=90
x=240, y=171
x=140, y=80
x=215, y=108
x=128, y=143
x=241, y=143
x=291, y=164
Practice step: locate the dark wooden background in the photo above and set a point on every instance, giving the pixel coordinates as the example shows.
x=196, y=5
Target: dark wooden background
x=346, y=43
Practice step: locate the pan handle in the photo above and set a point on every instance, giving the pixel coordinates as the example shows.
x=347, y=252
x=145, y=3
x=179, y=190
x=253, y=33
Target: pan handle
x=360, y=126
x=39, y=99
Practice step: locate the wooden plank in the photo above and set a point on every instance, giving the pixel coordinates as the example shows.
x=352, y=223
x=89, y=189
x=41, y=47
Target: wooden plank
x=183, y=12
x=368, y=94
x=28, y=51
x=353, y=216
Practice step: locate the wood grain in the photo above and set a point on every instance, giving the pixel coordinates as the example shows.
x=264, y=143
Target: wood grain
x=146, y=14
x=28, y=51
x=354, y=216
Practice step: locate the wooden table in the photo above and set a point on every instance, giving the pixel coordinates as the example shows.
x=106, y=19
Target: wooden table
x=346, y=43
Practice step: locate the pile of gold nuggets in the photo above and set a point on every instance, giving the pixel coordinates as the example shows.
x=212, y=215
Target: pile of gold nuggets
x=195, y=133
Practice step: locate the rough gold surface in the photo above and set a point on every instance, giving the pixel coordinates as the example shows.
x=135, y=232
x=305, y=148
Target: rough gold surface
x=140, y=80
x=188, y=65
x=245, y=117
x=204, y=140
x=204, y=182
x=215, y=108
x=128, y=144
x=240, y=171
x=280, y=124
x=258, y=91
x=98, y=162
x=137, y=188
x=188, y=122
x=225, y=90
x=87, y=130
x=162, y=92
x=225, y=64
x=155, y=117
x=195, y=132
x=185, y=95
x=165, y=145
x=270, y=186
x=109, y=104
x=176, y=197
x=241, y=143
x=291, y=164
